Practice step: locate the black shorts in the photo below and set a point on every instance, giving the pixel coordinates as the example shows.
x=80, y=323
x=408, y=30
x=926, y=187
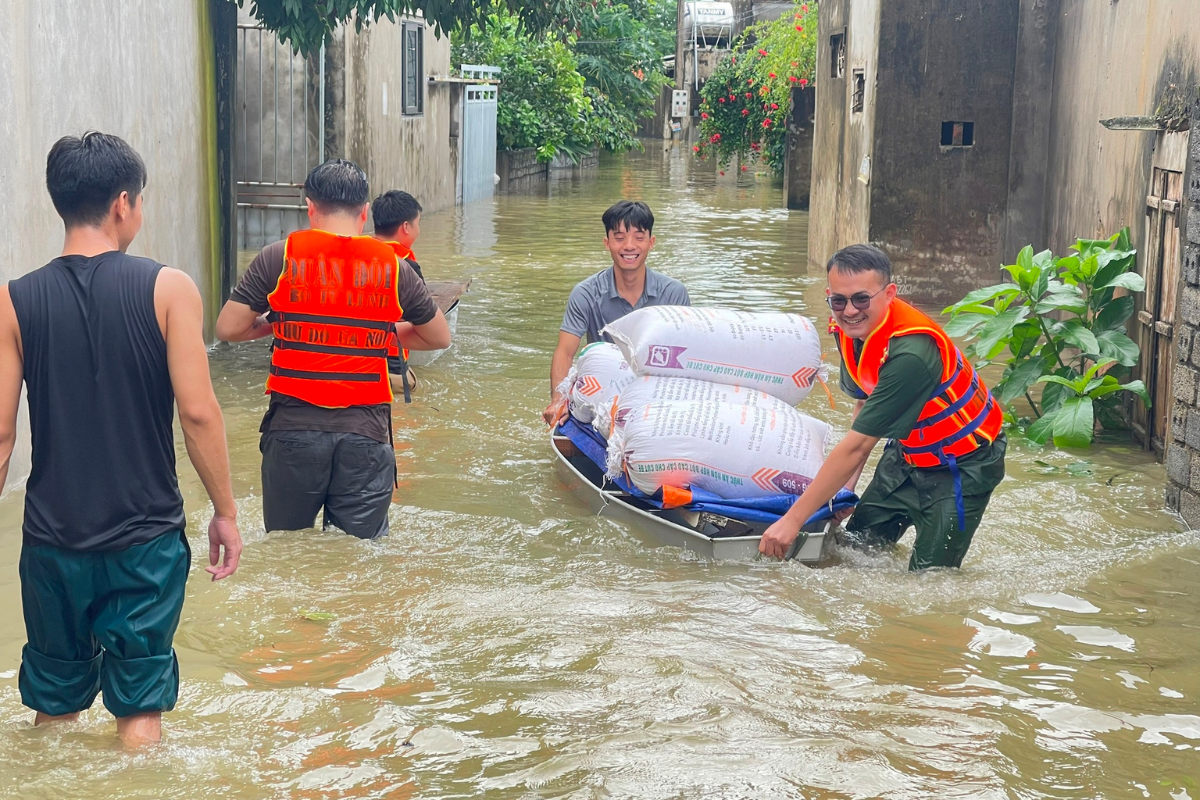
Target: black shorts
x=348, y=475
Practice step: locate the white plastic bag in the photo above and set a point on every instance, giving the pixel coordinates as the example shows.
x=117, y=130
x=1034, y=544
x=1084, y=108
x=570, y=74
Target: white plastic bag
x=730, y=450
x=773, y=352
x=642, y=391
x=598, y=374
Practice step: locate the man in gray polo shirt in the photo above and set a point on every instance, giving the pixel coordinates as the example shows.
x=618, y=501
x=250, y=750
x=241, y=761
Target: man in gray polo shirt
x=611, y=294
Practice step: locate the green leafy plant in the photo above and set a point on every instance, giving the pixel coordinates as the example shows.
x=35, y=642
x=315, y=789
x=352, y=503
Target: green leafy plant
x=746, y=103
x=307, y=24
x=1060, y=324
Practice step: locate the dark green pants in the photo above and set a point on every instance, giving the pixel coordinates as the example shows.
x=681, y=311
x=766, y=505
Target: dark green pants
x=901, y=496
x=102, y=620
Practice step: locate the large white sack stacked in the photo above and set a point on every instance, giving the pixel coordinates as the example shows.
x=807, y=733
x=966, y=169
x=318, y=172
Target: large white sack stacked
x=730, y=450
x=599, y=373
x=648, y=389
x=774, y=352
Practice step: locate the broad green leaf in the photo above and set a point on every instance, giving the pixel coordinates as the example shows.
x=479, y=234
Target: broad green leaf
x=1128, y=280
x=1075, y=423
x=1041, y=431
x=1053, y=396
x=983, y=296
x=1112, y=264
x=1077, y=335
x=1088, y=267
x=1061, y=381
x=1068, y=299
x=1121, y=241
x=1091, y=385
x=1019, y=379
x=964, y=324
x=1087, y=376
x=998, y=329
x=1114, y=315
x=1119, y=347
x=1138, y=388
x=1024, y=339
x=1043, y=260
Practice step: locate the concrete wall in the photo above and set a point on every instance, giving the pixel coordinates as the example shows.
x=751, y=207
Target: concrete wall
x=840, y=201
x=798, y=158
x=142, y=71
x=410, y=152
x=1112, y=59
x=939, y=212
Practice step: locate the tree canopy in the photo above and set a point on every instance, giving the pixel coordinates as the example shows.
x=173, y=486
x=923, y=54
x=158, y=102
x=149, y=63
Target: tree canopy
x=305, y=24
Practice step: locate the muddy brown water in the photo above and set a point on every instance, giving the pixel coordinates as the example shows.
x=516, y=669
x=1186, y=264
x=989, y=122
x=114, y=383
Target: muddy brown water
x=504, y=643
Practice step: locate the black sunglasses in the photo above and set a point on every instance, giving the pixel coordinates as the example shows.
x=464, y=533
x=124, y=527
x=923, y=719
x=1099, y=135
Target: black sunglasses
x=861, y=300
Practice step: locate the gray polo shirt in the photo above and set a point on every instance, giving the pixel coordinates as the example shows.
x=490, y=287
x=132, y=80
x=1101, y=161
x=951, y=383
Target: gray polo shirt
x=595, y=302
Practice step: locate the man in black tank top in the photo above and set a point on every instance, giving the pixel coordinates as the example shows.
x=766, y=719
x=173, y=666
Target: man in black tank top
x=107, y=344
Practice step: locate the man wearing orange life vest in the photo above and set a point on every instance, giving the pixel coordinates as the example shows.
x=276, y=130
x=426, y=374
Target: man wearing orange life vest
x=396, y=216
x=914, y=387
x=333, y=296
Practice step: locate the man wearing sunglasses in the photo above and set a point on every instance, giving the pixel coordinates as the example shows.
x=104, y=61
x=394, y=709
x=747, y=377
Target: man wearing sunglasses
x=945, y=450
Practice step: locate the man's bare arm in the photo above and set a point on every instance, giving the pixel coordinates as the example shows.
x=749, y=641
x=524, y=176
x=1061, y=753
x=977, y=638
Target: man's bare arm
x=238, y=322
x=181, y=315
x=433, y=335
x=560, y=365
x=11, y=374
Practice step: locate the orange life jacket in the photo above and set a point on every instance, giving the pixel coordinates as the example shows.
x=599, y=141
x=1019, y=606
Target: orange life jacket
x=394, y=340
x=331, y=312
x=960, y=416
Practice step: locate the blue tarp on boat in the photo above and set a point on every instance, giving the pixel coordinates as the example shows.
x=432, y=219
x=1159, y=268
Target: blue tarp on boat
x=747, y=509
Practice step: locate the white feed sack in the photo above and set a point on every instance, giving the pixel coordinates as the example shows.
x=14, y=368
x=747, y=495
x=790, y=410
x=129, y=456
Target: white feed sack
x=647, y=389
x=729, y=450
x=598, y=374
x=774, y=352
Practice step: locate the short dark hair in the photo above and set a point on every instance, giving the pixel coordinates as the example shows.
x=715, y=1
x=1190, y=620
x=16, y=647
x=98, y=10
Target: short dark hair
x=392, y=209
x=337, y=185
x=634, y=213
x=861, y=258
x=85, y=174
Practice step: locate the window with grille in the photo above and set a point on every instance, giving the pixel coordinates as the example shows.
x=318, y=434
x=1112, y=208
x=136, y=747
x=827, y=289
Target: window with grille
x=413, y=68
x=860, y=90
x=837, y=54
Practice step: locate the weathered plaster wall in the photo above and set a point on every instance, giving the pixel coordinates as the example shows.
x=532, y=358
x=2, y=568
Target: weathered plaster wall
x=141, y=71
x=398, y=151
x=839, y=201
x=1112, y=59
x=937, y=211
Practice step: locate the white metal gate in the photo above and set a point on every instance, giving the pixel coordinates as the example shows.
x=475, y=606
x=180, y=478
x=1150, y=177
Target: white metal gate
x=278, y=135
x=477, y=163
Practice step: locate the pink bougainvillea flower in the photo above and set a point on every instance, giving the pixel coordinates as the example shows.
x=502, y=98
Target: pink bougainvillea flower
x=745, y=111
x=696, y=149
x=722, y=172
x=804, y=7
x=793, y=79
x=722, y=99
x=766, y=123
x=749, y=95
x=795, y=64
x=716, y=137
x=770, y=74
x=804, y=82
x=800, y=28
x=743, y=167
x=774, y=106
x=762, y=52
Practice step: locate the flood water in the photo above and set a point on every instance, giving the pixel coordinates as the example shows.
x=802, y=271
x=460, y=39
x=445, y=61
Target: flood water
x=502, y=642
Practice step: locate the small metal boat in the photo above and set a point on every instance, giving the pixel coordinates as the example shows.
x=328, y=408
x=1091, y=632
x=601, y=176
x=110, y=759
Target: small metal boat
x=708, y=535
x=446, y=294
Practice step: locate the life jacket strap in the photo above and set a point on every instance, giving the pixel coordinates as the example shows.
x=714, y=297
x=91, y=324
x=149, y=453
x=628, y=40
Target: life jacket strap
x=955, y=437
x=953, y=408
x=333, y=350
x=353, y=377
x=322, y=319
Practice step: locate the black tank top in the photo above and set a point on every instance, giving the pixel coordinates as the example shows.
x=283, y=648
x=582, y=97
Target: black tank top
x=100, y=404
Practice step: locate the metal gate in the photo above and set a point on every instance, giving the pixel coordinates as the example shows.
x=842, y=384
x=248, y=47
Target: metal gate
x=278, y=136
x=477, y=163
x=1156, y=306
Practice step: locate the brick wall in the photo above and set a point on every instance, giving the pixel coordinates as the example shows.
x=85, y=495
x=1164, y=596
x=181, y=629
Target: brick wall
x=1183, y=453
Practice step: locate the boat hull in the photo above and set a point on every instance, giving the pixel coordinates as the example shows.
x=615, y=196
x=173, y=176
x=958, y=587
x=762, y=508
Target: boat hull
x=673, y=527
